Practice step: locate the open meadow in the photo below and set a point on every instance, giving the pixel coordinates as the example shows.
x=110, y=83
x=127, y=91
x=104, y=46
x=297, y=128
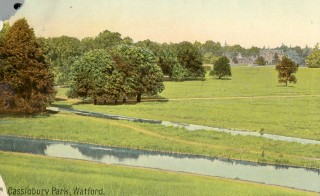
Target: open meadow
x=22, y=171
x=292, y=111
x=251, y=100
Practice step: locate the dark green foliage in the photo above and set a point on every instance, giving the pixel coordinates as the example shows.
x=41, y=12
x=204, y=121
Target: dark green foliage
x=26, y=76
x=87, y=44
x=178, y=72
x=62, y=52
x=235, y=60
x=276, y=58
x=167, y=60
x=260, y=61
x=89, y=75
x=152, y=46
x=210, y=58
x=286, y=68
x=107, y=40
x=141, y=74
x=221, y=68
x=191, y=59
x=212, y=47
x=117, y=86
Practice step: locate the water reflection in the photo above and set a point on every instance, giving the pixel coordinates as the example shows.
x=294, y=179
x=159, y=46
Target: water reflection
x=98, y=153
x=22, y=145
x=301, y=178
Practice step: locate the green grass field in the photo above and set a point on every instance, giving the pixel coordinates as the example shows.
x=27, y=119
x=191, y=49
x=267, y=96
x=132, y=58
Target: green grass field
x=20, y=171
x=66, y=126
x=251, y=100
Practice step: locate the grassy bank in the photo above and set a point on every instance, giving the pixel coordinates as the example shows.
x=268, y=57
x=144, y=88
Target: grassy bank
x=251, y=100
x=20, y=171
x=66, y=126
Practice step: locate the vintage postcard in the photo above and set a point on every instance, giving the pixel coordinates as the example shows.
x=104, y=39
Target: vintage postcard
x=159, y=97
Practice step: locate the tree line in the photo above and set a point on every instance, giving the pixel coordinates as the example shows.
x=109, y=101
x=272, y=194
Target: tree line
x=177, y=61
x=107, y=67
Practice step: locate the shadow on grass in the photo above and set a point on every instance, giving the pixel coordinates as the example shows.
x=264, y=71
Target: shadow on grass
x=184, y=80
x=61, y=105
x=60, y=99
x=24, y=115
x=113, y=103
x=221, y=78
x=284, y=86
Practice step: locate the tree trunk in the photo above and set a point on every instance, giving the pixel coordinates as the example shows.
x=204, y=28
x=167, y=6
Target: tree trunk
x=95, y=101
x=116, y=101
x=124, y=100
x=105, y=102
x=139, y=97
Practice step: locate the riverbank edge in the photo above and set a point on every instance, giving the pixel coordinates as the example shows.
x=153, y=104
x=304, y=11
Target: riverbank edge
x=158, y=170
x=161, y=152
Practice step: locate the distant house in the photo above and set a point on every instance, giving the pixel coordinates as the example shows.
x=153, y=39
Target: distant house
x=269, y=55
x=241, y=59
x=246, y=60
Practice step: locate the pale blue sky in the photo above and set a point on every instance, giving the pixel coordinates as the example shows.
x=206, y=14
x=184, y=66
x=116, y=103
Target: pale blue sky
x=246, y=22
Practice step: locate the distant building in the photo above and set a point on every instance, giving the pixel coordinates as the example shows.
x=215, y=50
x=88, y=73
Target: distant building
x=241, y=59
x=270, y=54
x=246, y=60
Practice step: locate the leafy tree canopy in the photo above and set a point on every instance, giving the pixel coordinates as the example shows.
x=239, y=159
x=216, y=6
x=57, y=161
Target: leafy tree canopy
x=25, y=71
x=138, y=66
x=191, y=59
x=89, y=74
x=313, y=60
x=221, y=68
x=286, y=68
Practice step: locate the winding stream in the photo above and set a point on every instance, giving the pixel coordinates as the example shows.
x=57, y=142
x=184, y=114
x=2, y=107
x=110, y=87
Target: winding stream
x=294, y=177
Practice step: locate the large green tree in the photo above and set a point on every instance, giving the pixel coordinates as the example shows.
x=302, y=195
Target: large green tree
x=191, y=59
x=89, y=75
x=107, y=40
x=286, y=68
x=167, y=61
x=25, y=71
x=141, y=73
x=313, y=60
x=221, y=68
x=212, y=47
x=62, y=52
